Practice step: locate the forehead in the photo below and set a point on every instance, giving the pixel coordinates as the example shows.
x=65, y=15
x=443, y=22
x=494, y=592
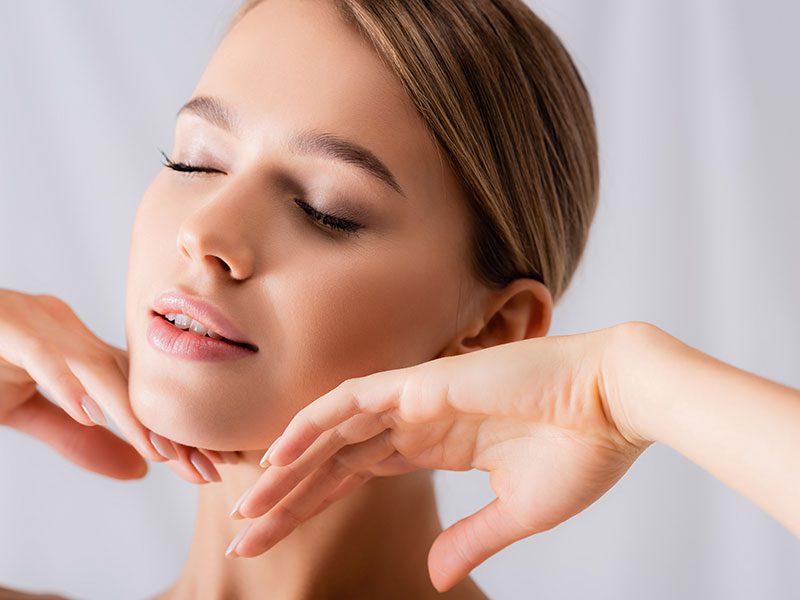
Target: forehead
x=290, y=65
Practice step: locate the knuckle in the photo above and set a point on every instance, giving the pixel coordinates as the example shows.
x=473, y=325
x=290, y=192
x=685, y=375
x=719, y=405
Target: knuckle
x=336, y=438
x=388, y=418
x=96, y=357
x=386, y=440
x=362, y=477
x=291, y=475
x=288, y=515
x=52, y=303
x=37, y=346
x=339, y=467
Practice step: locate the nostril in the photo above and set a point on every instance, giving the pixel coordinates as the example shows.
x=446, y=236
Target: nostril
x=225, y=265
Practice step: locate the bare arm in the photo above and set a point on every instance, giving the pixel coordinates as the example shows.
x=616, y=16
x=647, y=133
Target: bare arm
x=741, y=428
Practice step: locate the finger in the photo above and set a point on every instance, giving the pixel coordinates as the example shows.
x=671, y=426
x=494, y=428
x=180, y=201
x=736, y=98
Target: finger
x=185, y=470
x=276, y=482
x=203, y=466
x=319, y=481
x=470, y=541
x=231, y=456
x=184, y=466
x=109, y=387
x=372, y=394
x=164, y=446
x=264, y=533
x=222, y=456
x=306, y=498
x=46, y=365
x=356, y=429
x=212, y=455
x=96, y=449
x=349, y=484
x=395, y=464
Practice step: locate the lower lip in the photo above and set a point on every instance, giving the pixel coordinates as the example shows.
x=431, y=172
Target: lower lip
x=164, y=336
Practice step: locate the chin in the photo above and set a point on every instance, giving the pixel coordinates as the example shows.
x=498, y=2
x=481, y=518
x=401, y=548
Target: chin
x=199, y=413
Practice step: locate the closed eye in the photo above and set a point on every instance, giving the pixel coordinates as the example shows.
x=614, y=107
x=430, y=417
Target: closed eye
x=331, y=222
x=186, y=168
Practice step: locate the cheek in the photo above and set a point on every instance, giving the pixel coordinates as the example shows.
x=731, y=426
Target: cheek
x=383, y=310
x=323, y=314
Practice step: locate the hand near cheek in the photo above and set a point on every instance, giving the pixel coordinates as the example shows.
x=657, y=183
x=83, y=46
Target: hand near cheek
x=44, y=344
x=531, y=413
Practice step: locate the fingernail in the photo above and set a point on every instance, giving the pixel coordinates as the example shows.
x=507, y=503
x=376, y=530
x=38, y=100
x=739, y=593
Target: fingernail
x=235, y=511
x=93, y=411
x=200, y=463
x=163, y=446
x=231, y=551
x=265, y=459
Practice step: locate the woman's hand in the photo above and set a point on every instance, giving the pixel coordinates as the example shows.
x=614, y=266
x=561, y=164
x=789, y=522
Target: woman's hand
x=556, y=421
x=535, y=414
x=44, y=343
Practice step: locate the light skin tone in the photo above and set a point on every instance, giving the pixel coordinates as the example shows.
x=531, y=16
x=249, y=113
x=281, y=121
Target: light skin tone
x=325, y=307
x=321, y=305
x=556, y=421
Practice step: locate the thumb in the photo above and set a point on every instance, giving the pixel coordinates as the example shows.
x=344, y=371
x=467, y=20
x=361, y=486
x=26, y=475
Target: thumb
x=470, y=541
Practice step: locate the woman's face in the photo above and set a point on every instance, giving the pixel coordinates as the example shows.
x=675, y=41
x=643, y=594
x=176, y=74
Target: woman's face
x=321, y=305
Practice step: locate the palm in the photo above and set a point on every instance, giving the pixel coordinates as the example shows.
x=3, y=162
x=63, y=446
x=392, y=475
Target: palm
x=552, y=475
x=543, y=473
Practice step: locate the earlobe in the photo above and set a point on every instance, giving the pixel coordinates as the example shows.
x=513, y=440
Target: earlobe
x=521, y=310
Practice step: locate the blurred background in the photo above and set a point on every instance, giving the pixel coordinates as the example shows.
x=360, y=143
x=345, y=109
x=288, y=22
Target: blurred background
x=697, y=232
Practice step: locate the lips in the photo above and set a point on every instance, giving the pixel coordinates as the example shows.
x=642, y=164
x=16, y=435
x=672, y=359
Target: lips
x=202, y=311
x=189, y=345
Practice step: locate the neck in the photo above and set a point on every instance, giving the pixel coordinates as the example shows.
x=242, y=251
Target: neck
x=373, y=542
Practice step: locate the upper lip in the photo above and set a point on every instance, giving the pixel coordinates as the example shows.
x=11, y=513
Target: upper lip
x=202, y=311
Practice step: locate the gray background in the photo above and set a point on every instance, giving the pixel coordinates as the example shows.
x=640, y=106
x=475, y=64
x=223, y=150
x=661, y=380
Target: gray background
x=696, y=104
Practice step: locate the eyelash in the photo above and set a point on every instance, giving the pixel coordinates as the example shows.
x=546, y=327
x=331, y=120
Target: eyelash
x=330, y=222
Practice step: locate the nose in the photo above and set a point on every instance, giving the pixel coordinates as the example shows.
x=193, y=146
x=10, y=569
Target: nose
x=214, y=237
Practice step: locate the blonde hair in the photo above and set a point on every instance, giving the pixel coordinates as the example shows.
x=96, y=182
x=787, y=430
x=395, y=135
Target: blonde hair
x=509, y=109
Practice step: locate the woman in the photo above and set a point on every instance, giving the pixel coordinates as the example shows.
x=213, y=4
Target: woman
x=355, y=186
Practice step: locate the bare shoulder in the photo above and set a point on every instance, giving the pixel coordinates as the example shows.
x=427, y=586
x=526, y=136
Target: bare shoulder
x=9, y=594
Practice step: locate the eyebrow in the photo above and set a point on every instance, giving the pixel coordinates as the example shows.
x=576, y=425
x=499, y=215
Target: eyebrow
x=306, y=141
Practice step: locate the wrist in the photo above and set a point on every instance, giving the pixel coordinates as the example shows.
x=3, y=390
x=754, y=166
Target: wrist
x=628, y=373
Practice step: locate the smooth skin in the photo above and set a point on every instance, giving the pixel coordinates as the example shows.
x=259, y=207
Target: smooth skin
x=44, y=344
x=556, y=421
x=323, y=306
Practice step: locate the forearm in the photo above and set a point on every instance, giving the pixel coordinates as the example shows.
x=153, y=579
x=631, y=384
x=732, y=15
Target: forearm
x=741, y=428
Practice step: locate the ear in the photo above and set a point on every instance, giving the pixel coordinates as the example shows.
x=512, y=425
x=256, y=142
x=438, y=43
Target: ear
x=521, y=310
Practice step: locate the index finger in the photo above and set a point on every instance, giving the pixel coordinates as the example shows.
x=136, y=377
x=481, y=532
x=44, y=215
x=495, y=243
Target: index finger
x=105, y=382
x=375, y=393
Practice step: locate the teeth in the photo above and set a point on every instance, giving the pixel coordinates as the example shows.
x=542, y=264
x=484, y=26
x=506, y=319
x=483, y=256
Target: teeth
x=182, y=321
x=198, y=327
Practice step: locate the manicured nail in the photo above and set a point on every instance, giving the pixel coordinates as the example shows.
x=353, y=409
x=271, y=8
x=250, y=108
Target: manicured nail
x=93, y=411
x=265, y=459
x=163, y=446
x=235, y=511
x=231, y=551
x=200, y=463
